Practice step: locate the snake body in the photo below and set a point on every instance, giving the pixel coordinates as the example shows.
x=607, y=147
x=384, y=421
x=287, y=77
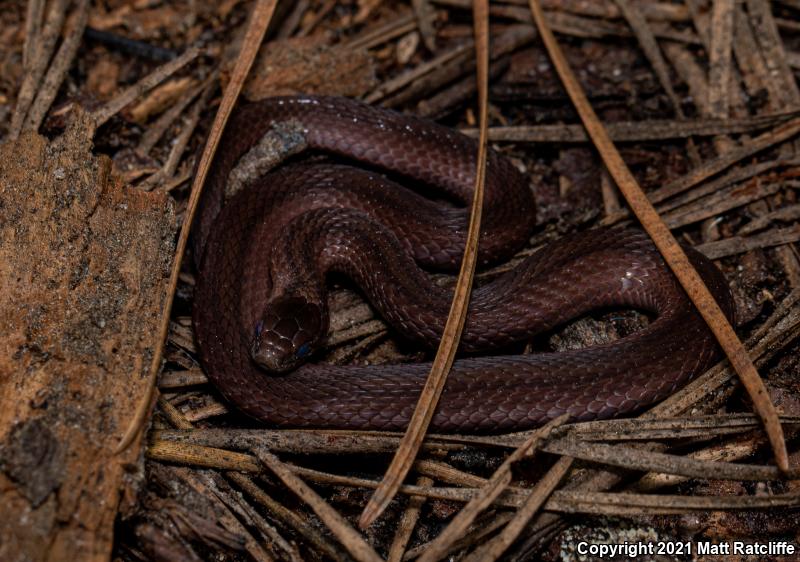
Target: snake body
x=267, y=249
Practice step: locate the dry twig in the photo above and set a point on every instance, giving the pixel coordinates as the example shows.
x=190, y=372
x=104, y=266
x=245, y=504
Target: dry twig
x=261, y=16
x=429, y=398
x=669, y=247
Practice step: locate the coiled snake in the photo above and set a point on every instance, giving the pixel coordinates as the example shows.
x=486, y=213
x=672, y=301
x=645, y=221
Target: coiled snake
x=266, y=251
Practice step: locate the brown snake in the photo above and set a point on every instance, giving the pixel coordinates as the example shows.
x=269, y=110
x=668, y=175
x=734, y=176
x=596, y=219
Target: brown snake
x=266, y=251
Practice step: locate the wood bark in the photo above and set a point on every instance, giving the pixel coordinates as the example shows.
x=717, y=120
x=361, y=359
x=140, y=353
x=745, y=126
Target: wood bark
x=83, y=265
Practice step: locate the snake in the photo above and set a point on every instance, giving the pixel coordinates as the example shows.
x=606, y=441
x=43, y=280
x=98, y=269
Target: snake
x=382, y=199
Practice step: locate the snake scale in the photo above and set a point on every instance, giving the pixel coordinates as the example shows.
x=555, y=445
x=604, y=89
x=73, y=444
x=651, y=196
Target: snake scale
x=268, y=246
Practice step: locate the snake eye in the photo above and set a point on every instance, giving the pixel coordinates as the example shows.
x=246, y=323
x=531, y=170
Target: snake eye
x=302, y=351
x=259, y=327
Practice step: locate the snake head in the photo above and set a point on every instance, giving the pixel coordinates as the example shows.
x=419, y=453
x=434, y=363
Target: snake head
x=290, y=330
